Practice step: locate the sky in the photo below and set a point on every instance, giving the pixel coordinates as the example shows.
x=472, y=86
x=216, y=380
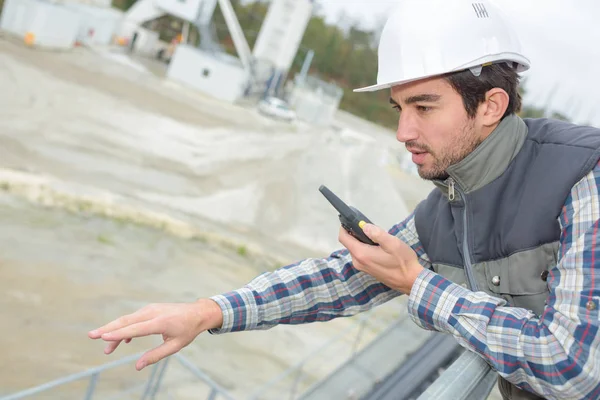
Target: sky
x=560, y=37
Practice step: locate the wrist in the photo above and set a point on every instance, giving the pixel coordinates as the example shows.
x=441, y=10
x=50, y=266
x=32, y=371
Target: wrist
x=213, y=315
x=413, y=272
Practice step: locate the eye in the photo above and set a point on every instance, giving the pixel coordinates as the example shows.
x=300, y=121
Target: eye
x=423, y=109
x=397, y=108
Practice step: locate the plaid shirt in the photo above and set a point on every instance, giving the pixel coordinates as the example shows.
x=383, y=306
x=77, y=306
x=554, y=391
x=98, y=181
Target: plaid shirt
x=556, y=355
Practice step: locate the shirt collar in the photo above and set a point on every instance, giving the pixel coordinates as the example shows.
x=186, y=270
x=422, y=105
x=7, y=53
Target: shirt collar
x=491, y=158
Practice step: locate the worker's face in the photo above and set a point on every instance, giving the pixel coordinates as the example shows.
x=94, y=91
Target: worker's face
x=434, y=126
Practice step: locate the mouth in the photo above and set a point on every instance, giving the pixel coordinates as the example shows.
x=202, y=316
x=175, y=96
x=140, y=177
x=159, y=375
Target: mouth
x=418, y=156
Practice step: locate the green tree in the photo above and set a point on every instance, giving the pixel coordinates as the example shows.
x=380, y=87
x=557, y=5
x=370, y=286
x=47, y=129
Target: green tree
x=123, y=4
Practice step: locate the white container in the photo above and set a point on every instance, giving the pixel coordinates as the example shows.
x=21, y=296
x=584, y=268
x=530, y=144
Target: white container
x=315, y=101
x=49, y=25
x=220, y=76
x=99, y=26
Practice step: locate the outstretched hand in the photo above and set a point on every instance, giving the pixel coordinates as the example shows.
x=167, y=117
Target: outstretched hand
x=393, y=262
x=179, y=325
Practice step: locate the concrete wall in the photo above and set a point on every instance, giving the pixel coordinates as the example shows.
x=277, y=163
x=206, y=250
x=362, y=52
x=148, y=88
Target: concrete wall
x=52, y=25
x=221, y=77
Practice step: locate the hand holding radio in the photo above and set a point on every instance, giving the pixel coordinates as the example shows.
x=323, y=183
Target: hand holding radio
x=374, y=251
x=351, y=219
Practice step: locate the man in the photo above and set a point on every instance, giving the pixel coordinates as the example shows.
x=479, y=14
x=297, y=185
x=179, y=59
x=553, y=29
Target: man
x=502, y=254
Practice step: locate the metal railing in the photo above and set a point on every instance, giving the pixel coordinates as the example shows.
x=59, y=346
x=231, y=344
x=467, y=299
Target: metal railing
x=468, y=378
x=150, y=388
x=418, y=371
x=288, y=384
x=371, y=365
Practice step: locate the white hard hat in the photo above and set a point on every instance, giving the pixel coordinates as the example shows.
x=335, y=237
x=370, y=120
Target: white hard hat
x=425, y=38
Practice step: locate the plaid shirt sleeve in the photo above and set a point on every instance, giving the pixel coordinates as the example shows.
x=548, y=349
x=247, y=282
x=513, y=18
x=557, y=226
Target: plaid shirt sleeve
x=557, y=354
x=308, y=291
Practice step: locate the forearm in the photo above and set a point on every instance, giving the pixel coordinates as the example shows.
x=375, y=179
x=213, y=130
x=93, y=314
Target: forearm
x=554, y=355
x=312, y=290
x=309, y=291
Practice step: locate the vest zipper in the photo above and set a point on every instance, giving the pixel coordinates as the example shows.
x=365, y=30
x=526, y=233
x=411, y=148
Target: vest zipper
x=451, y=189
x=466, y=252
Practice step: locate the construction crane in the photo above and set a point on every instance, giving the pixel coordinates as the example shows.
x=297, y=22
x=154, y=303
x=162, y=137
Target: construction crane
x=196, y=12
x=266, y=66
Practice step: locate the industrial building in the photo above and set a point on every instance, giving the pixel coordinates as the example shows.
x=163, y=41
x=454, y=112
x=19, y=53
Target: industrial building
x=254, y=74
x=61, y=24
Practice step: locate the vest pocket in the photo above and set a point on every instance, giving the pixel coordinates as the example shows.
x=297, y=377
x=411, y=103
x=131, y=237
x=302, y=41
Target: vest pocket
x=521, y=278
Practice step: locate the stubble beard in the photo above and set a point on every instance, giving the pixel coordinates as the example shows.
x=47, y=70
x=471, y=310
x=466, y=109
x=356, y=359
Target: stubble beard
x=462, y=145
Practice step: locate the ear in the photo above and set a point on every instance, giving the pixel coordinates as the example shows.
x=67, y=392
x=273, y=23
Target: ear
x=494, y=106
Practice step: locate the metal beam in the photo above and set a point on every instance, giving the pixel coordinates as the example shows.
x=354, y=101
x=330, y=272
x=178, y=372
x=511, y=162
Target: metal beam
x=469, y=377
x=406, y=381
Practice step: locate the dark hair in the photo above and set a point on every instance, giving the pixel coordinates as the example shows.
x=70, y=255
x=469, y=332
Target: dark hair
x=473, y=88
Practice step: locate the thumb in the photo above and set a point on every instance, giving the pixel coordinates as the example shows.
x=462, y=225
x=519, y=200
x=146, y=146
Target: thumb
x=158, y=353
x=376, y=234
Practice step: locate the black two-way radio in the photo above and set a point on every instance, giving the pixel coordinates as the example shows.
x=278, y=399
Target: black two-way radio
x=352, y=220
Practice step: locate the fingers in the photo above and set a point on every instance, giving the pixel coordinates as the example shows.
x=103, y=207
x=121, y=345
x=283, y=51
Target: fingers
x=126, y=320
x=348, y=240
x=155, y=355
x=380, y=236
x=112, y=346
x=364, y=256
x=361, y=253
x=135, y=330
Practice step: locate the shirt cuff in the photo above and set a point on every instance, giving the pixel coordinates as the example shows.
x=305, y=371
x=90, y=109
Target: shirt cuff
x=240, y=312
x=432, y=301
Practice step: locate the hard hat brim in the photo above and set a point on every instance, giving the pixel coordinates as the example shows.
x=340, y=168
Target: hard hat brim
x=374, y=88
x=522, y=64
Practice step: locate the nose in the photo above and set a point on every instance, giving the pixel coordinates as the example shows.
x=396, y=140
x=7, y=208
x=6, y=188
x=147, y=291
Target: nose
x=407, y=128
